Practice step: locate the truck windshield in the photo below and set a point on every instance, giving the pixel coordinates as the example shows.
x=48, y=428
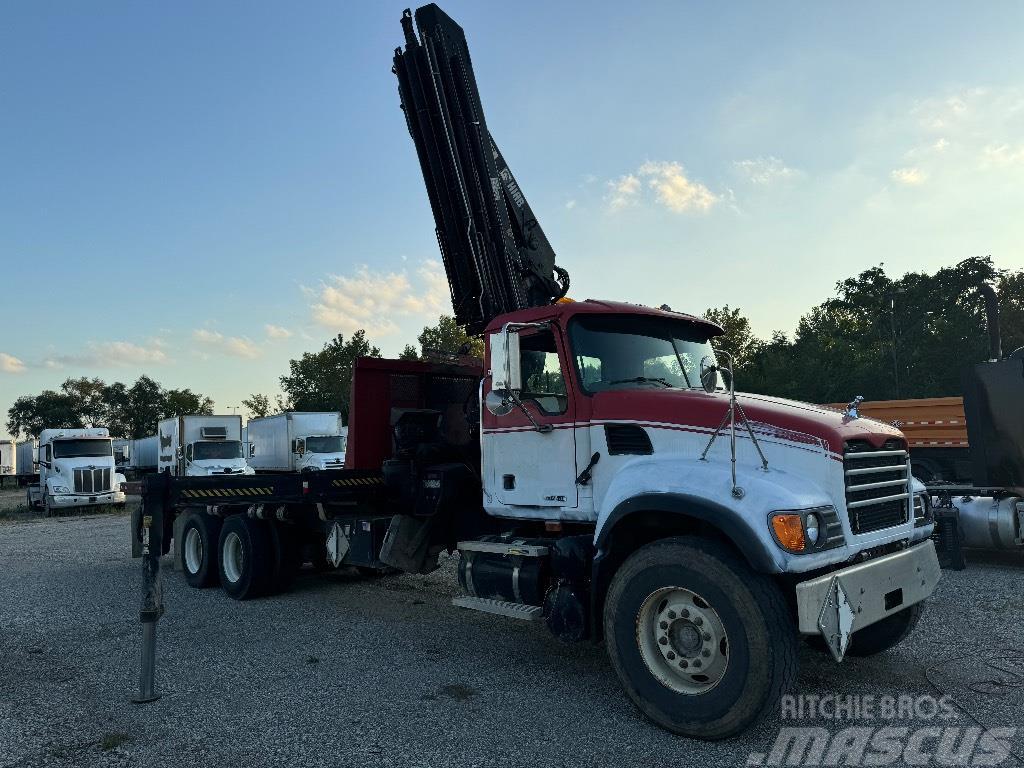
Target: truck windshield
x=632, y=351
x=220, y=449
x=64, y=449
x=325, y=444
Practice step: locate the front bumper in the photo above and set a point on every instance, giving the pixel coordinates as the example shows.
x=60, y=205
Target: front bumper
x=67, y=500
x=871, y=590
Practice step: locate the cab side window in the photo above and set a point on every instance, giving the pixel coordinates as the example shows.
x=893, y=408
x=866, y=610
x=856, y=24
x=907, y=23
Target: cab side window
x=543, y=378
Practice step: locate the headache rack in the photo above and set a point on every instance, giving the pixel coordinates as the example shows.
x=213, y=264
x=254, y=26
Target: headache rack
x=878, y=491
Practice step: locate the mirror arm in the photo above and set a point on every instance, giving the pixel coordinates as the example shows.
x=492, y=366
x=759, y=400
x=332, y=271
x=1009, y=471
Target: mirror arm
x=542, y=428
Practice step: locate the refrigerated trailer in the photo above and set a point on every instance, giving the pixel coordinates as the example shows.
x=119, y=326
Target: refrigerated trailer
x=598, y=474
x=297, y=442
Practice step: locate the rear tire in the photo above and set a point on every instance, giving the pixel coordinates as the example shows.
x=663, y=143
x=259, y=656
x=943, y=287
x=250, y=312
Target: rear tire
x=245, y=557
x=884, y=634
x=694, y=600
x=198, y=549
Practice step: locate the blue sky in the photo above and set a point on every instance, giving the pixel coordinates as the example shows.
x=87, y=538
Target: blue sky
x=201, y=191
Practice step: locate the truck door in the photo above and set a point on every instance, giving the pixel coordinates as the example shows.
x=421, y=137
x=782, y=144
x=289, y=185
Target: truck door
x=529, y=473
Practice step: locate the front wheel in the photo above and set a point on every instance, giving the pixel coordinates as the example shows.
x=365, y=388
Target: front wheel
x=702, y=644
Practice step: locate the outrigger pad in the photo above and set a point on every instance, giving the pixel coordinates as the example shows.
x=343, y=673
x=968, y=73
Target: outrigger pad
x=407, y=545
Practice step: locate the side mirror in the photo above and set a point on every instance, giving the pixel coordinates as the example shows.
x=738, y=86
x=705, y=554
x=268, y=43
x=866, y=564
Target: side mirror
x=178, y=452
x=497, y=404
x=506, y=374
x=252, y=449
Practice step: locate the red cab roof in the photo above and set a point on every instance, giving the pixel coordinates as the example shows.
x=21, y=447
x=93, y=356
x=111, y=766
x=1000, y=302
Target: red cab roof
x=567, y=309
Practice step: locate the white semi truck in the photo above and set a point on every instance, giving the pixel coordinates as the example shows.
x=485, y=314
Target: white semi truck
x=297, y=442
x=8, y=457
x=199, y=445
x=76, y=469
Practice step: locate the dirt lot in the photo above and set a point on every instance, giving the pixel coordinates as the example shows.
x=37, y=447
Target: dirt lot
x=349, y=672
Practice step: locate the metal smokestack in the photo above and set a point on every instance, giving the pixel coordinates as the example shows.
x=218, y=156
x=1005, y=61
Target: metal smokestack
x=988, y=291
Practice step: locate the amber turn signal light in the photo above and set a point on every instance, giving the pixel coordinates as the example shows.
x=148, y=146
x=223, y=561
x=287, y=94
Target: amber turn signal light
x=789, y=530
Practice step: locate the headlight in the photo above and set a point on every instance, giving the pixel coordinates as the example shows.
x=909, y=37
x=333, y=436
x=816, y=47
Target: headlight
x=61, y=489
x=807, y=530
x=812, y=528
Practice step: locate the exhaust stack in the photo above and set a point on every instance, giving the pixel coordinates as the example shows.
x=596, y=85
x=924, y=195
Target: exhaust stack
x=988, y=292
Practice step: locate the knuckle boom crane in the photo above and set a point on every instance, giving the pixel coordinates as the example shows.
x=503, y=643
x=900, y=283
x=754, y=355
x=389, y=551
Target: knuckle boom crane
x=495, y=253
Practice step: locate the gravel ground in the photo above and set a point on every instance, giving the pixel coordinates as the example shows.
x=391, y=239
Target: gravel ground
x=344, y=671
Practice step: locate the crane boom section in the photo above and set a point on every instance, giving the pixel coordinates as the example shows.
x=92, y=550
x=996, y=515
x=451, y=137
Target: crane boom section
x=495, y=254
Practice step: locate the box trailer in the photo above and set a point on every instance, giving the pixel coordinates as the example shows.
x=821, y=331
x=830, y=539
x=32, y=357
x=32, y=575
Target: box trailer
x=144, y=453
x=26, y=461
x=8, y=457
x=199, y=445
x=297, y=442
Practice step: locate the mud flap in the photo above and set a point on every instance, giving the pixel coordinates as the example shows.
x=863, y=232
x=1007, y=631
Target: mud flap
x=407, y=545
x=836, y=619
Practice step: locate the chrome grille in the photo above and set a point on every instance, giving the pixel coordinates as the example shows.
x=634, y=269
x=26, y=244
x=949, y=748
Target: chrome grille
x=877, y=486
x=92, y=480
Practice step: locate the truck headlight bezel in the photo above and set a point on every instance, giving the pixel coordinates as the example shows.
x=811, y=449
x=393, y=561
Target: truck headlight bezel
x=791, y=529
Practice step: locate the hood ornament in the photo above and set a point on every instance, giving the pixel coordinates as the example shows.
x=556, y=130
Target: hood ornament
x=852, y=411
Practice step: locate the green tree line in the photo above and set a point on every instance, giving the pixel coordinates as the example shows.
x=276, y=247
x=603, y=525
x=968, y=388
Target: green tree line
x=127, y=411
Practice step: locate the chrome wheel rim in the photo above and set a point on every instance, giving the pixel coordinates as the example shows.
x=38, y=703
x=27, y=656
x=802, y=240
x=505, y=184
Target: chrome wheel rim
x=193, y=551
x=682, y=640
x=233, y=557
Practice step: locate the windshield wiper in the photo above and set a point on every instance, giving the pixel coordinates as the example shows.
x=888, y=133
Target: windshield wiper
x=642, y=380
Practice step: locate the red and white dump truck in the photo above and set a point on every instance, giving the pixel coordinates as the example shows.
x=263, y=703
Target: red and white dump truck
x=597, y=472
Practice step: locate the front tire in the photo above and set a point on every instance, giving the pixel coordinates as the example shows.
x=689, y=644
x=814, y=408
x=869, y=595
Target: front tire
x=884, y=634
x=702, y=644
x=245, y=557
x=198, y=549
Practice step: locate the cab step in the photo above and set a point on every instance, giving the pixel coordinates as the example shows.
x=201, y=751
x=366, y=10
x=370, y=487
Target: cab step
x=501, y=608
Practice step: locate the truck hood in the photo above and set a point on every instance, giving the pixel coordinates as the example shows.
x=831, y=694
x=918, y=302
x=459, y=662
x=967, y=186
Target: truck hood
x=324, y=460
x=699, y=410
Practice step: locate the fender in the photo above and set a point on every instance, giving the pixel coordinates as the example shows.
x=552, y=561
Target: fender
x=678, y=485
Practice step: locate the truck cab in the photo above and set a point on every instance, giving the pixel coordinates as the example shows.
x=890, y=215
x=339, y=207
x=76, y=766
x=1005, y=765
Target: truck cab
x=76, y=469
x=317, y=453
x=198, y=445
x=615, y=390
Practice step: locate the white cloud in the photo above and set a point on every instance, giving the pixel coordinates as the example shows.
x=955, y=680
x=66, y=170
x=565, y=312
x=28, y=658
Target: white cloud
x=764, y=170
x=11, y=364
x=111, y=354
x=669, y=183
x=236, y=346
x=1003, y=155
x=624, y=192
x=911, y=176
x=372, y=300
x=277, y=332
x=674, y=190
x=570, y=204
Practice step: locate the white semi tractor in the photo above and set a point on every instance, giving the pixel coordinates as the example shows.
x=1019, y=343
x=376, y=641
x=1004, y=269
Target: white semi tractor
x=297, y=442
x=76, y=469
x=8, y=458
x=199, y=445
